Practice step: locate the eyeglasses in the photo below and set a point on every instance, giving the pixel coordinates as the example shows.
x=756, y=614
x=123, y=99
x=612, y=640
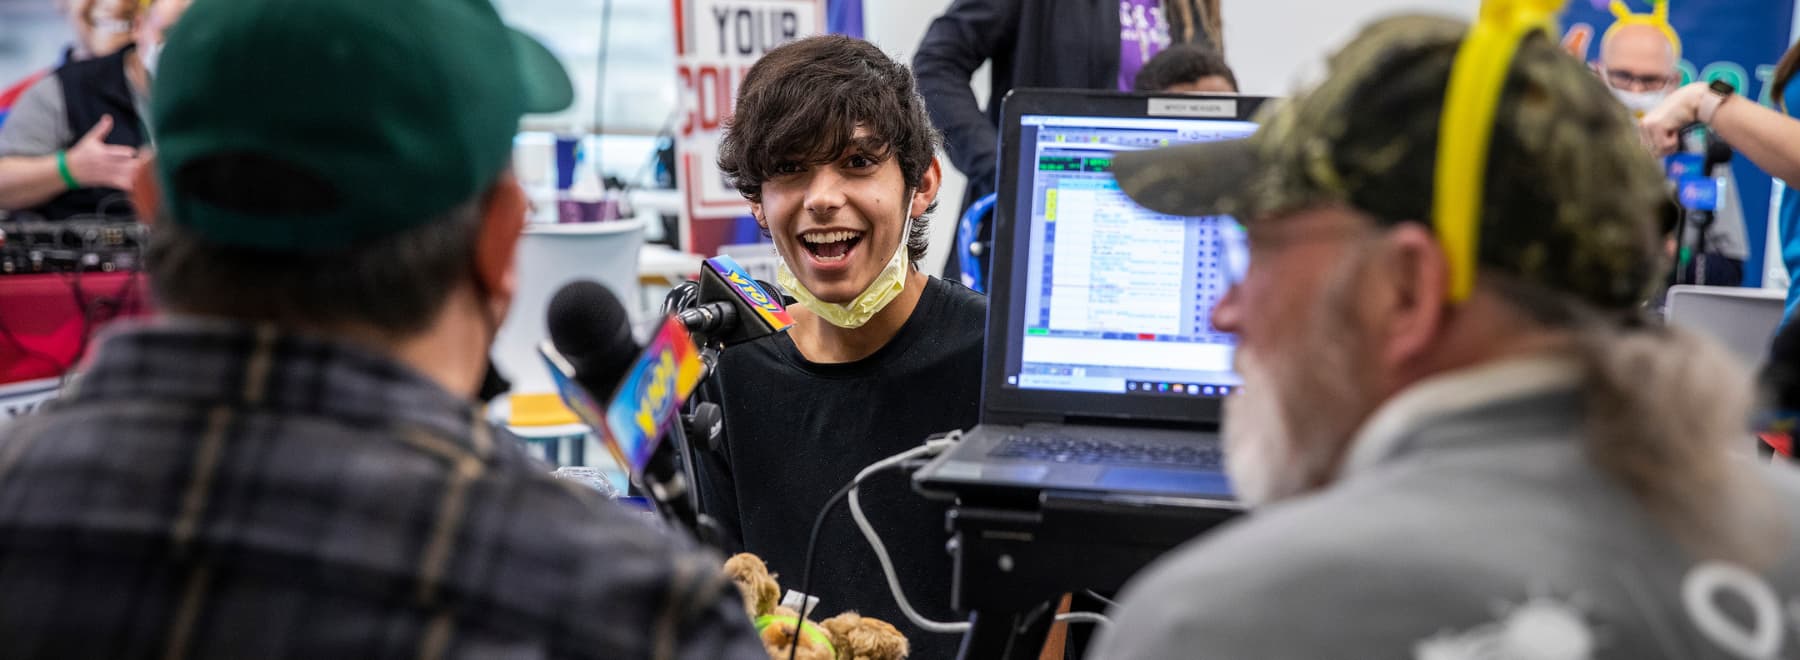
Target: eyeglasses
x=1235, y=251
x=1630, y=82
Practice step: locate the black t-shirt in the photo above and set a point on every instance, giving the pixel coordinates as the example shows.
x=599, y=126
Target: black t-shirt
x=796, y=431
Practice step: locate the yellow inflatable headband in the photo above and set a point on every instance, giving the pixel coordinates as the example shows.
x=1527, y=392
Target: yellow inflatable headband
x=1467, y=125
x=1657, y=18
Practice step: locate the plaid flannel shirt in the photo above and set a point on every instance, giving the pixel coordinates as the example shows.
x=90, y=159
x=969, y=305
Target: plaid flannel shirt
x=213, y=490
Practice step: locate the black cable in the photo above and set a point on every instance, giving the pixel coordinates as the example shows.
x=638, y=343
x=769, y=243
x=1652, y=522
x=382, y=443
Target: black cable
x=667, y=132
x=78, y=294
x=27, y=351
x=1031, y=617
x=86, y=310
x=684, y=296
x=1096, y=596
x=111, y=200
x=812, y=542
x=600, y=94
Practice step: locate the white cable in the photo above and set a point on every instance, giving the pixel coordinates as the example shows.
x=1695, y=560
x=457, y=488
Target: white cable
x=931, y=447
x=1085, y=617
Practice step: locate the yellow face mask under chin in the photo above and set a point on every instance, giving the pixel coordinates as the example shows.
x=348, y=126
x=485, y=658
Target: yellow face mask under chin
x=854, y=314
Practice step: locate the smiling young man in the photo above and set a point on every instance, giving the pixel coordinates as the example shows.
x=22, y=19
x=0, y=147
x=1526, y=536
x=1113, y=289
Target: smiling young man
x=831, y=144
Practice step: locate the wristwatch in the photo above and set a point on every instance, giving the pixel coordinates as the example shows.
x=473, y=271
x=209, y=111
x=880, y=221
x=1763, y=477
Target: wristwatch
x=1709, y=104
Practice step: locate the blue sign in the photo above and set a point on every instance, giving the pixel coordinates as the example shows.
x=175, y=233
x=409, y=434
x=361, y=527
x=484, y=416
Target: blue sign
x=1681, y=165
x=1698, y=193
x=844, y=17
x=1738, y=41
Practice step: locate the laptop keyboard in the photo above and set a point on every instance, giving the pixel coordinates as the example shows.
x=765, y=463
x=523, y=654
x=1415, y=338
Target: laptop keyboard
x=1054, y=449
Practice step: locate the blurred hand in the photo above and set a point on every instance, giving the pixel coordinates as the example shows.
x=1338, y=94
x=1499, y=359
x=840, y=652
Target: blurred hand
x=96, y=164
x=1661, y=127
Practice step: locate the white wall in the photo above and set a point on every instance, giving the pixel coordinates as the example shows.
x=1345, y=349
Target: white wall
x=897, y=26
x=32, y=36
x=1267, y=43
x=1274, y=44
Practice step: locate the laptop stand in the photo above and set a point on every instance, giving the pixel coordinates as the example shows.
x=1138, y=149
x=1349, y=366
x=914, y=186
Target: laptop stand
x=1014, y=560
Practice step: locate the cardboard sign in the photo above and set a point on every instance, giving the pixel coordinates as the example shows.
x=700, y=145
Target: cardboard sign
x=716, y=41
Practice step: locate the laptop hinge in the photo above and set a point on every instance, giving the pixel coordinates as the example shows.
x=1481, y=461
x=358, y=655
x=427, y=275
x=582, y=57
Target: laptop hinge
x=1027, y=419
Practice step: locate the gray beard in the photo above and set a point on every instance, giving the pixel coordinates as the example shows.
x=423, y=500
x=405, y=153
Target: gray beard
x=1287, y=430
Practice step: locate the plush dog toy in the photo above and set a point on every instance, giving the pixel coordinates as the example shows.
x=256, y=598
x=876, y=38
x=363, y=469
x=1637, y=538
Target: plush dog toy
x=846, y=636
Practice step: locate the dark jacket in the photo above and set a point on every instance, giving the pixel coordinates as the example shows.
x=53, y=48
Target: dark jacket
x=1032, y=43
x=93, y=89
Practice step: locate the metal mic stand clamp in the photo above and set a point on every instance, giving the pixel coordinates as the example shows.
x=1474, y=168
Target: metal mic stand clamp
x=674, y=491
x=678, y=497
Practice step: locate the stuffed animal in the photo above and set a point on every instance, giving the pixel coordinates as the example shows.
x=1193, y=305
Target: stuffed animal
x=846, y=636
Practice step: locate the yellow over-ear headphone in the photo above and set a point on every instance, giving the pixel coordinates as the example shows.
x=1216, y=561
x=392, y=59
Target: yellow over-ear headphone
x=1657, y=18
x=1467, y=125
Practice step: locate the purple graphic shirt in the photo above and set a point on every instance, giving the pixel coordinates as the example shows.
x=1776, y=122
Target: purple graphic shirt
x=1142, y=34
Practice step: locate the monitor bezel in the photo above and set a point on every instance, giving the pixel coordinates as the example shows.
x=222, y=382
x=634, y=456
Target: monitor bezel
x=1005, y=405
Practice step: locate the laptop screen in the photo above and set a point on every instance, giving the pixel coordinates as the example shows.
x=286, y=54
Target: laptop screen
x=1116, y=298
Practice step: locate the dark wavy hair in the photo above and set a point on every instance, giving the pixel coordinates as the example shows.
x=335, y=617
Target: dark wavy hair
x=1182, y=63
x=804, y=100
x=1784, y=72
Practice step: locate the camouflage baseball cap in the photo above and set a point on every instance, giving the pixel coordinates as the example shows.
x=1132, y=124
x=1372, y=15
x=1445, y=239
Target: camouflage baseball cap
x=1570, y=196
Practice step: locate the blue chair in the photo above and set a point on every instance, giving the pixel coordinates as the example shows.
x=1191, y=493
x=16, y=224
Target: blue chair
x=971, y=252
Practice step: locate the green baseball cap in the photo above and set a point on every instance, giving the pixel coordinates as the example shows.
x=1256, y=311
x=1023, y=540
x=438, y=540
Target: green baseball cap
x=1570, y=197
x=383, y=113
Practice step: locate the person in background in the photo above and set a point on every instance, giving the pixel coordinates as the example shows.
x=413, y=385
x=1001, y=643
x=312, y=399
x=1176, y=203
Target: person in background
x=292, y=463
x=101, y=27
x=1769, y=138
x=73, y=142
x=1527, y=467
x=1187, y=69
x=830, y=143
x=1073, y=44
x=1639, y=59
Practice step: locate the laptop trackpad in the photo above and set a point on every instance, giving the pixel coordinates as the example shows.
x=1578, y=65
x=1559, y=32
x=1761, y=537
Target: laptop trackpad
x=1186, y=482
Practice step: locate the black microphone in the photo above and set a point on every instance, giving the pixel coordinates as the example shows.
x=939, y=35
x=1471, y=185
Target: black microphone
x=589, y=326
x=1717, y=153
x=727, y=307
x=712, y=318
x=590, y=329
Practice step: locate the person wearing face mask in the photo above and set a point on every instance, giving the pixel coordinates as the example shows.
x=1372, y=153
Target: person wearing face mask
x=290, y=462
x=830, y=143
x=73, y=141
x=1639, y=56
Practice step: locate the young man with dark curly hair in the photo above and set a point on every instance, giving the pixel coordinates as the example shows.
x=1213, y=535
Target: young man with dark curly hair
x=831, y=144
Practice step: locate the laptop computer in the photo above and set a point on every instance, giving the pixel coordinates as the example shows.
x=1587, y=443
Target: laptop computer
x=1743, y=320
x=1103, y=373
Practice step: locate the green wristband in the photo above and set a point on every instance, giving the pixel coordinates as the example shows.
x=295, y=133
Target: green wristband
x=62, y=167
